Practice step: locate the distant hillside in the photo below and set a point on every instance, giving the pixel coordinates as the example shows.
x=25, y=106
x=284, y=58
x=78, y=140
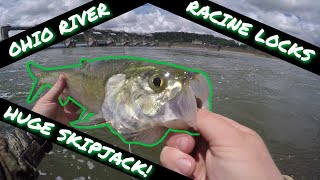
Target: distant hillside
x=189, y=37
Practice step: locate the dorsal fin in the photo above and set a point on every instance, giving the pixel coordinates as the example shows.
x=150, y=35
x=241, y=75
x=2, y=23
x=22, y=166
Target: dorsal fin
x=84, y=64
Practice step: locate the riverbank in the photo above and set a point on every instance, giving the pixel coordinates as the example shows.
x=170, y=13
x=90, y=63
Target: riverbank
x=246, y=51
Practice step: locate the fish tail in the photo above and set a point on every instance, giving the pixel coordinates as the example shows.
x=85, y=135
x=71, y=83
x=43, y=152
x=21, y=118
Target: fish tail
x=35, y=71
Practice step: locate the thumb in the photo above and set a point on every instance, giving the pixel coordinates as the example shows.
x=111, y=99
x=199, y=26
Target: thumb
x=56, y=89
x=216, y=129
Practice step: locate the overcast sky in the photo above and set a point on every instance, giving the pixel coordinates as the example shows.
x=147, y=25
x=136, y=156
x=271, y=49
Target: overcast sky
x=300, y=18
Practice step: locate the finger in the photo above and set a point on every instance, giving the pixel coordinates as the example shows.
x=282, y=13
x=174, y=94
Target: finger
x=178, y=161
x=216, y=130
x=182, y=141
x=56, y=90
x=236, y=124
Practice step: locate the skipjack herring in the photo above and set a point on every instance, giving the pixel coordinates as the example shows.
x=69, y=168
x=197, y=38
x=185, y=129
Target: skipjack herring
x=140, y=100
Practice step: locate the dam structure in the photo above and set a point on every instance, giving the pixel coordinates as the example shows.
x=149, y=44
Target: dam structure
x=93, y=37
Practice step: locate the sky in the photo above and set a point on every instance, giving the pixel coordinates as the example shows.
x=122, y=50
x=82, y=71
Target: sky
x=300, y=18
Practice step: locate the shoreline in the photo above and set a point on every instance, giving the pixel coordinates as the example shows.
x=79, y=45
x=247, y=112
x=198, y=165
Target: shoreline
x=252, y=52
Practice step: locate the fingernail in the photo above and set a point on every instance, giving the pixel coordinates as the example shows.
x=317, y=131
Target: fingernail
x=184, y=166
x=60, y=78
x=182, y=143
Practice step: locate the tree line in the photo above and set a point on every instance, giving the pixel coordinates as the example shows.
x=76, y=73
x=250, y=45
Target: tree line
x=184, y=37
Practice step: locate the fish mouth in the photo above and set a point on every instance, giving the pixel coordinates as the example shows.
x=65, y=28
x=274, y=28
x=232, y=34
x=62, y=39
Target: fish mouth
x=199, y=102
x=183, y=108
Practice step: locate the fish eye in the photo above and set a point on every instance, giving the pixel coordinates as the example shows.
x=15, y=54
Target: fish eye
x=157, y=83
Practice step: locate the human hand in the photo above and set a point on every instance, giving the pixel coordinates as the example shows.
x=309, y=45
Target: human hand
x=226, y=150
x=49, y=106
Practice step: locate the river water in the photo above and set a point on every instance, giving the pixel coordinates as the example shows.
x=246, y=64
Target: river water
x=278, y=100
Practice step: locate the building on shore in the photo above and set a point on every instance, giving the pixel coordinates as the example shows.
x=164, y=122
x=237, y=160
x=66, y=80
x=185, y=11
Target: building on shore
x=197, y=42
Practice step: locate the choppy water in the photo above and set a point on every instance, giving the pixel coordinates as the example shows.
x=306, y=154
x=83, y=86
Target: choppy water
x=278, y=100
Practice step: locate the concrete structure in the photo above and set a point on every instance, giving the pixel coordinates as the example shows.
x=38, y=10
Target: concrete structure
x=107, y=37
x=69, y=43
x=4, y=32
x=96, y=37
x=197, y=42
x=135, y=40
x=89, y=38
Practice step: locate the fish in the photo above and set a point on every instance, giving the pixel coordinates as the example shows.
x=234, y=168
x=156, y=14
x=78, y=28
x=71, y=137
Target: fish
x=141, y=100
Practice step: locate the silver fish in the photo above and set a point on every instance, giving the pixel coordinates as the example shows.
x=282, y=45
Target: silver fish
x=140, y=100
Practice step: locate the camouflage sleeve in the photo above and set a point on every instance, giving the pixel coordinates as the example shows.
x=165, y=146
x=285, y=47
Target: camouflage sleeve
x=20, y=154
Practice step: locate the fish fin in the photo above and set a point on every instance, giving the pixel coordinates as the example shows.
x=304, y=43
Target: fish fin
x=35, y=70
x=79, y=111
x=84, y=64
x=148, y=136
x=91, y=121
x=64, y=96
